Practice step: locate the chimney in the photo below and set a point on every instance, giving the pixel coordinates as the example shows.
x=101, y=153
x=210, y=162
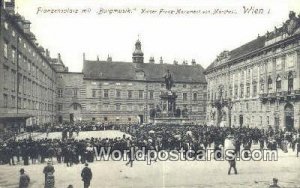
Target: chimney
x=97, y=57
x=109, y=59
x=193, y=62
x=59, y=57
x=175, y=62
x=151, y=60
x=161, y=61
x=83, y=56
x=47, y=53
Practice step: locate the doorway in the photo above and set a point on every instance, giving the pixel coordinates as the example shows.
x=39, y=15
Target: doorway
x=289, y=116
x=241, y=120
x=141, y=118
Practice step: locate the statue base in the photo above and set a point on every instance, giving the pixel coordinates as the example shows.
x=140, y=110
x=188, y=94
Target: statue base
x=171, y=121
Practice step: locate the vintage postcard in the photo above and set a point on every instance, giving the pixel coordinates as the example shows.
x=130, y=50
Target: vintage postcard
x=149, y=94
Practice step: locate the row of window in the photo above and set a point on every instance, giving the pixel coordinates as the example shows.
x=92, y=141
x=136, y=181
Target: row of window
x=119, y=107
x=23, y=84
x=286, y=63
x=23, y=103
x=254, y=91
x=161, y=85
x=118, y=94
x=12, y=53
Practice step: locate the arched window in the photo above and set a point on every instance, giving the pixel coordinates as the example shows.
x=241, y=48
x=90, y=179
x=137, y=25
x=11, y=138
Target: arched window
x=270, y=83
x=290, y=82
x=194, y=96
x=278, y=83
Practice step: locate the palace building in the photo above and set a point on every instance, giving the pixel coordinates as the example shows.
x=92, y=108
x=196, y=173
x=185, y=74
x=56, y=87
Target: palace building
x=125, y=92
x=36, y=89
x=27, y=79
x=257, y=84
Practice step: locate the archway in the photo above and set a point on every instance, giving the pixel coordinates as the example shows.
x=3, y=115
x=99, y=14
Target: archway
x=75, y=112
x=289, y=116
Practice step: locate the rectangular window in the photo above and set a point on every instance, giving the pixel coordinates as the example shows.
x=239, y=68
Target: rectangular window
x=242, y=92
x=59, y=93
x=13, y=56
x=5, y=102
x=248, y=91
x=13, y=101
x=105, y=94
x=141, y=94
x=5, y=77
x=151, y=94
x=118, y=107
x=254, y=90
x=19, y=102
x=236, y=92
x=29, y=66
x=13, y=80
x=5, y=50
x=129, y=94
x=59, y=107
x=24, y=104
x=94, y=93
x=184, y=96
x=118, y=93
x=105, y=106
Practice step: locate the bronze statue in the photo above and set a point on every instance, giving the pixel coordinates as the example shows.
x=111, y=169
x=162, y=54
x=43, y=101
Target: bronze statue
x=168, y=80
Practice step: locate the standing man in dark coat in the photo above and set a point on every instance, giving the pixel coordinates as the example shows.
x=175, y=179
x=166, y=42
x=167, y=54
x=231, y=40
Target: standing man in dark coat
x=24, y=179
x=86, y=175
x=49, y=169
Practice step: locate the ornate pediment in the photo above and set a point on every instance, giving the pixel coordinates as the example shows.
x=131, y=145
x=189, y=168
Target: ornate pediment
x=222, y=57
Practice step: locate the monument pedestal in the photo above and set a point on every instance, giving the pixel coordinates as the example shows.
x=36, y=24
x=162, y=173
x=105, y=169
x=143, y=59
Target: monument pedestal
x=168, y=109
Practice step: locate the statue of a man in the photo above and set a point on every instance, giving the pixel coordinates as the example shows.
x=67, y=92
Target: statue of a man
x=168, y=80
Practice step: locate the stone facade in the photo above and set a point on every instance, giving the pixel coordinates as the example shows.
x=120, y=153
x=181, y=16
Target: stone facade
x=27, y=84
x=124, y=92
x=257, y=84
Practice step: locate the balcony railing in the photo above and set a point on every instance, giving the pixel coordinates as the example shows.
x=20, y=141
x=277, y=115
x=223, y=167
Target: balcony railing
x=285, y=95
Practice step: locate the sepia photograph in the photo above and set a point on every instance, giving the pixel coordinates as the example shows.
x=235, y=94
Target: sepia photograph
x=149, y=94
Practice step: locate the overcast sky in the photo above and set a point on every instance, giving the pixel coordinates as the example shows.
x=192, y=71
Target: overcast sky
x=174, y=37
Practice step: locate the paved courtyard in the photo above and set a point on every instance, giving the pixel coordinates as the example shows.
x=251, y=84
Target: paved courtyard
x=81, y=135
x=165, y=174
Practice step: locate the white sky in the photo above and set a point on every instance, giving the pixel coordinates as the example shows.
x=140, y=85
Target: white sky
x=199, y=37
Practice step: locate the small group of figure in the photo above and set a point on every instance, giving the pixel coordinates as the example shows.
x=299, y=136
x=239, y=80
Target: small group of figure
x=86, y=175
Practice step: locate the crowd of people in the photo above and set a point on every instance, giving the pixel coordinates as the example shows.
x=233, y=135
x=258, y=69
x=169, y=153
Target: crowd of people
x=71, y=151
x=152, y=137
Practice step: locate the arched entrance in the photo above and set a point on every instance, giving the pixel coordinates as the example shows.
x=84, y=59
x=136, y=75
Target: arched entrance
x=289, y=116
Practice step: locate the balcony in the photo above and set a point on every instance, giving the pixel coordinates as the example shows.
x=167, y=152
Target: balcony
x=280, y=95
